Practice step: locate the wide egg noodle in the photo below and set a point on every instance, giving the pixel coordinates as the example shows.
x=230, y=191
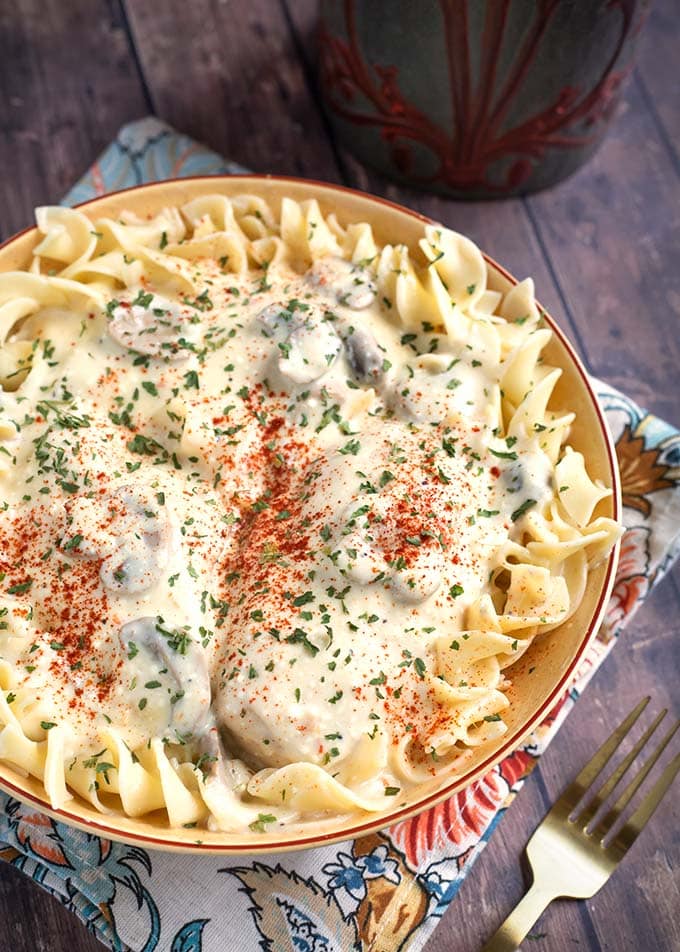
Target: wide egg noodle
x=79, y=268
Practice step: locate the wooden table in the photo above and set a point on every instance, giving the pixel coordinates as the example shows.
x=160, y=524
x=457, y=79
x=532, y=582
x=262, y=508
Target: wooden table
x=603, y=247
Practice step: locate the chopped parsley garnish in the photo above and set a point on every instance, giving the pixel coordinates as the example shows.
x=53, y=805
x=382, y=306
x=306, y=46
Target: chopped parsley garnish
x=260, y=825
x=69, y=421
x=20, y=588
x=178, y=639
x=519, y=512
x=352, y=448
x=299, y=637
x=499, y=455
x=303, y=599
x=72, y=543
x=145, y=446
x=143, y=299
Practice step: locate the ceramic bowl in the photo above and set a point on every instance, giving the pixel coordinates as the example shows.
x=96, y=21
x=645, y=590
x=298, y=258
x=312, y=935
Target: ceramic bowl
x=539, y=678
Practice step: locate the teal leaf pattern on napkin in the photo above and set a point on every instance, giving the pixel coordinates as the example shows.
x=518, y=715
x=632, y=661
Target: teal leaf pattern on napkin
x=189, y=937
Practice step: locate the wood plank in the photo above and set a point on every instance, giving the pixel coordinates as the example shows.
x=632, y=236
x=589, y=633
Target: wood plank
x=647, y=647
x=68, y=82
x=657, y=72
x=241, y=90
x=611, y=233
x=34, y=921
x=496, y=882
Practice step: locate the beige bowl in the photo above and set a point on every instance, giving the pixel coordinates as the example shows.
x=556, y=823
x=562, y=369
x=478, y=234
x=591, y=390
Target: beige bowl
x=539, y=678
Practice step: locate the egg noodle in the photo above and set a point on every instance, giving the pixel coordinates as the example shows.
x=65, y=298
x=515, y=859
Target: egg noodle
x=280, y=507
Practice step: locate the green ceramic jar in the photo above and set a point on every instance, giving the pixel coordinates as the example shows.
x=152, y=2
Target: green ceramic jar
x=475, y=98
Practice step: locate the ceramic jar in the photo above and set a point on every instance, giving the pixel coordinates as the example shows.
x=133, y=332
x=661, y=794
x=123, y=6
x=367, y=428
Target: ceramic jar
x=475, y=98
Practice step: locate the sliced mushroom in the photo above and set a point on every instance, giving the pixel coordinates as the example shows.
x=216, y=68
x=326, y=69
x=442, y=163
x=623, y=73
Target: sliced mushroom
x=278, y=320
x=513, y=477
x=359, y=554
x=529, y=477
x=364, y=356
x=346, y=283
x=309, y=352
x=215, y=761
x=185, y=660
x=152, y=325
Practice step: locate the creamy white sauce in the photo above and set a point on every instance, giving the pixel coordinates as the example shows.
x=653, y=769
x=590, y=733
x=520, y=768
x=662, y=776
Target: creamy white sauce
x=257, y=509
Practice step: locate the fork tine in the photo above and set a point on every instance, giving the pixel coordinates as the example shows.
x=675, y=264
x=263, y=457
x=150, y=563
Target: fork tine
x=606, y=789
x=651, y=801
x=596, y=764
x=630, y=830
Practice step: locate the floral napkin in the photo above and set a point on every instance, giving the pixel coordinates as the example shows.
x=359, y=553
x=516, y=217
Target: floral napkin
x=382, y=892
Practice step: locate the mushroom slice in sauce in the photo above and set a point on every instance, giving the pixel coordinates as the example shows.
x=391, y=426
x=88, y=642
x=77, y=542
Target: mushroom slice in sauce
x=360, y=554
x=215, y=761
x=527, y=482
x=435, y=388
x=277, y=320
x=309, y=352
x=185, y=660
x=306, y=344
x=346, y=283
x=364, y=356
x=152, y=325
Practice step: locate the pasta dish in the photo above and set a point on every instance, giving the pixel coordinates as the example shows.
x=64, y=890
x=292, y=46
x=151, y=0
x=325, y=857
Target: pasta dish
x=281, y=506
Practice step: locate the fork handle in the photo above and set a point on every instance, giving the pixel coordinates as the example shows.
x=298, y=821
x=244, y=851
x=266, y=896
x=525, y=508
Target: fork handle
x=521, y=919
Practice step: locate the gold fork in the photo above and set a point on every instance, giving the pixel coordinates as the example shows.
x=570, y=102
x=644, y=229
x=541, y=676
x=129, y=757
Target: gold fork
x=570, y=858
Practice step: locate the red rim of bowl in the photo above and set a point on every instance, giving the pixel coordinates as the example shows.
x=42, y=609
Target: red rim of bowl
x=458, y=783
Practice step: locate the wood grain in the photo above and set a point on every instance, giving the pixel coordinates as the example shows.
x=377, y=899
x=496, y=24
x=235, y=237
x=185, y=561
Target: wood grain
x=33, y=921
x=603, y=249
x=239, y=86
x=658, y=76
x=609, y=232
x=67, y=83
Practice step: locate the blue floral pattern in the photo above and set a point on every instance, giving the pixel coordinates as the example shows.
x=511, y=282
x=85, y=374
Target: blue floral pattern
x=388, y=889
